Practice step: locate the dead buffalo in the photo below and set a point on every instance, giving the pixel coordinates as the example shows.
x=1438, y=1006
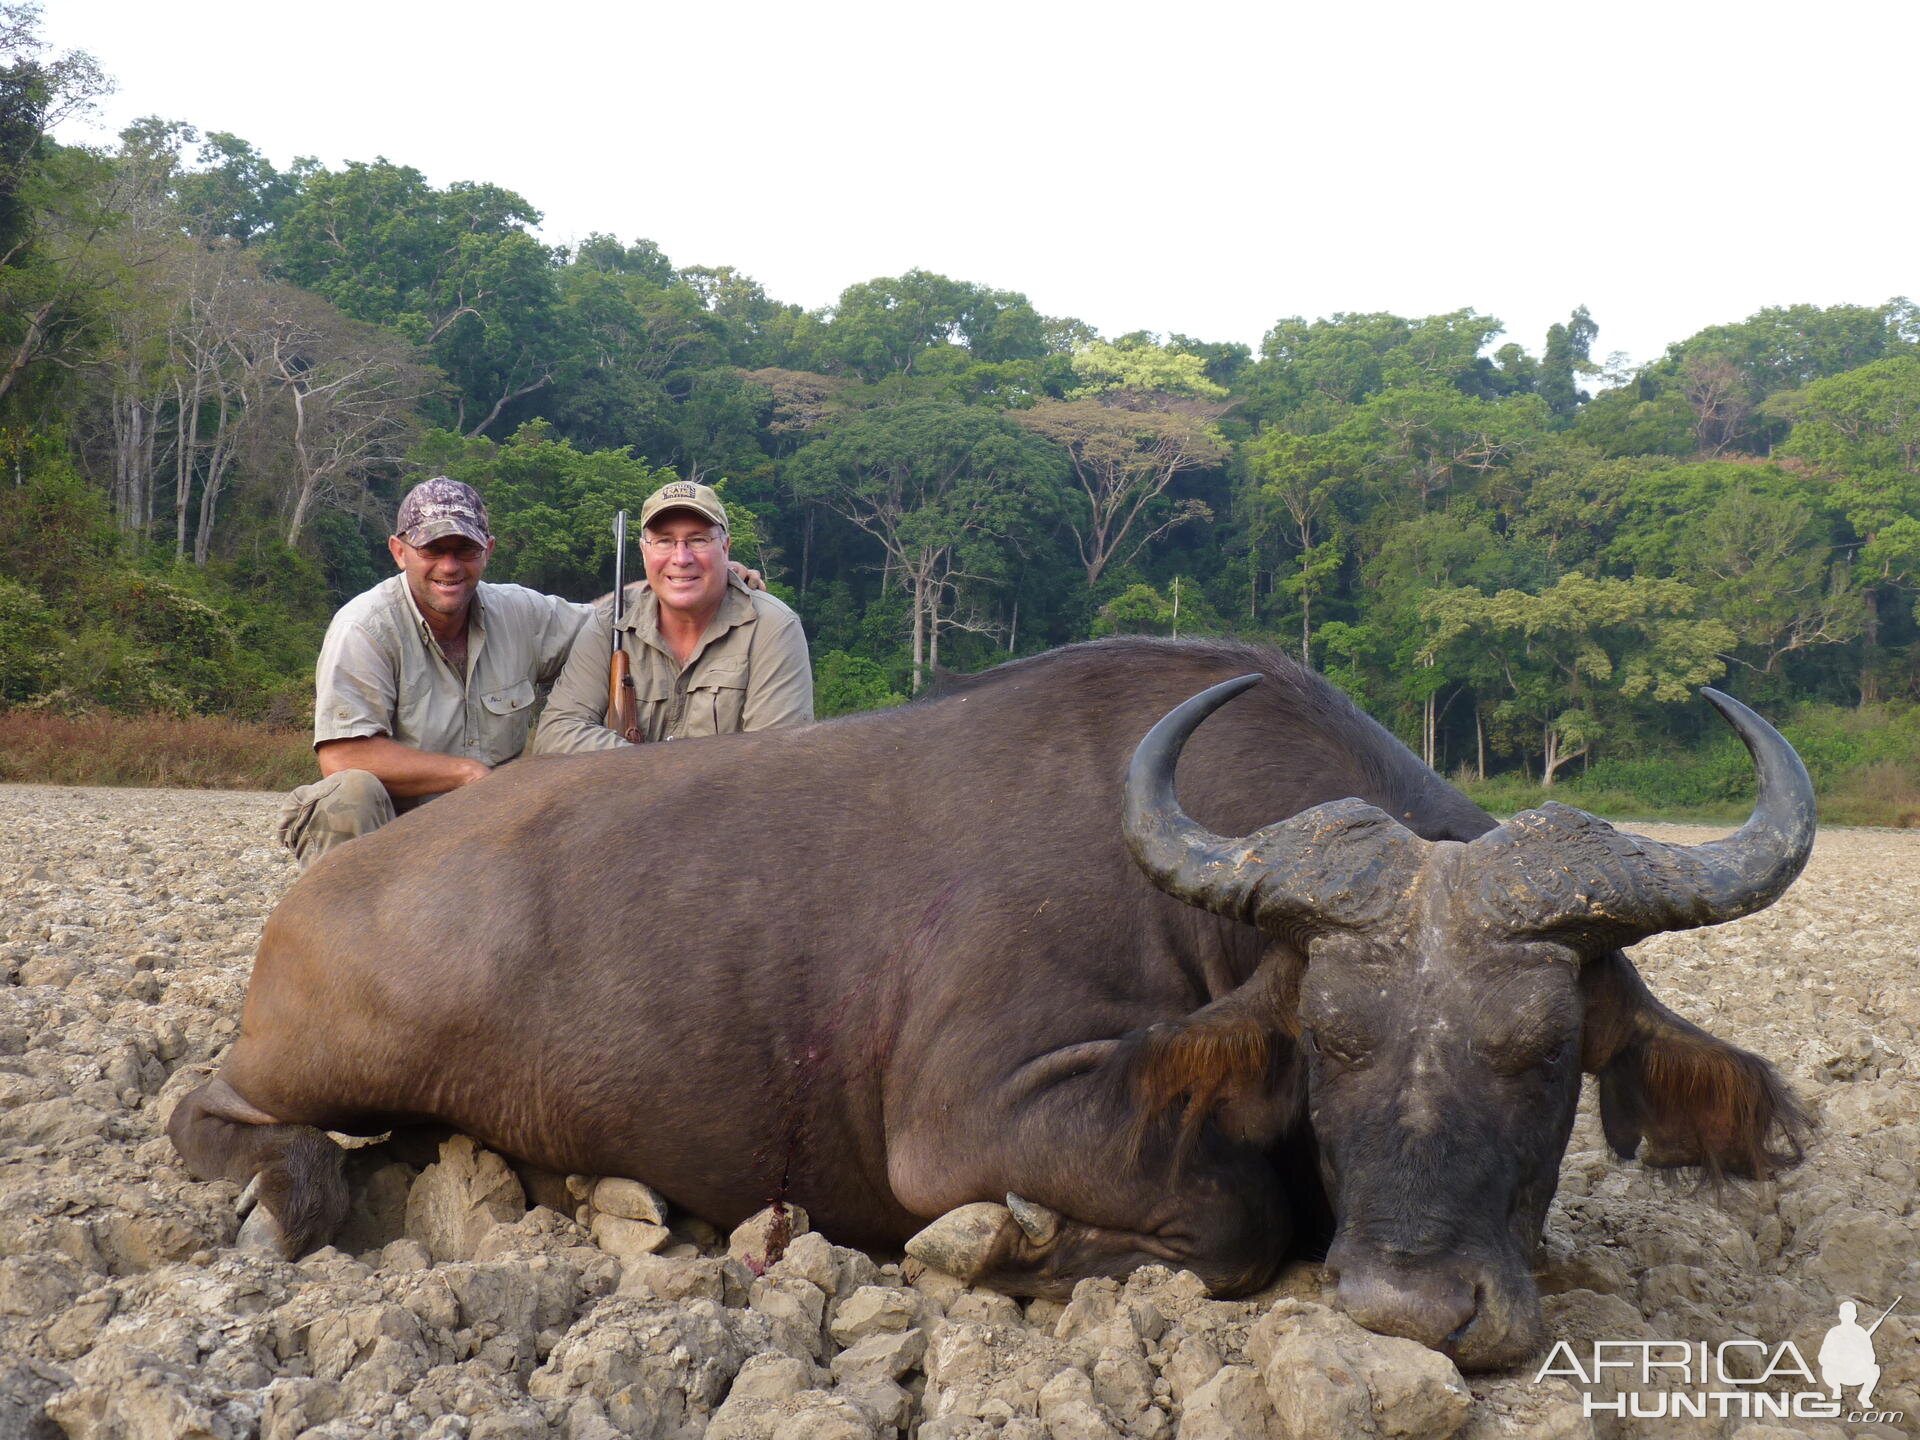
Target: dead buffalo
x=899, y=963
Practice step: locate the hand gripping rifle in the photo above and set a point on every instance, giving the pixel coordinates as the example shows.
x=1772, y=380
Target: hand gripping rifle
x=622, y=708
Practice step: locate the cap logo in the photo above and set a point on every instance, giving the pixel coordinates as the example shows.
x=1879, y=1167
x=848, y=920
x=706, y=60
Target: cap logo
x=681, y=491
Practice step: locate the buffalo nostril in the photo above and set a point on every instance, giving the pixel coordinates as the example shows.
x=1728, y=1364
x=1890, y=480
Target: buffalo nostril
x=1432, y=1307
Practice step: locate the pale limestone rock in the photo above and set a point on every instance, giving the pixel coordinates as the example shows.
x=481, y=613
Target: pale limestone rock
x=796, y=1305
x=762, y=1238
x=1327, y=1376
x=886, y=1355
x=772, y=1377
x=627, y=1238
x=1070, y=1412
x=460, y=1197
x=811, y=1258
x=1233, y=1405
x=1191, y=1365
x=629, y=1200
x=646, y=1369
x=659, y=1277
x=872, y=1309
x=885, y=1402
x=121, y=1390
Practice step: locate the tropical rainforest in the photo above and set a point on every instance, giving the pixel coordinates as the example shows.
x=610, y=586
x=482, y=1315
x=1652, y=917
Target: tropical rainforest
x=217, y=376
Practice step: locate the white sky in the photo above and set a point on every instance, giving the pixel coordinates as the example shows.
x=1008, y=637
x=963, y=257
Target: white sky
x=1197, y=168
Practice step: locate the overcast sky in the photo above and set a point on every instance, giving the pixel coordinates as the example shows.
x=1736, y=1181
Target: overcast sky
x=1204, y=169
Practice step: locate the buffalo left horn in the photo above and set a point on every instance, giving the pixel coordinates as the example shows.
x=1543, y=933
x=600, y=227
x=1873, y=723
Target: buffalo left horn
x=1557, y=870
x=1338, y=865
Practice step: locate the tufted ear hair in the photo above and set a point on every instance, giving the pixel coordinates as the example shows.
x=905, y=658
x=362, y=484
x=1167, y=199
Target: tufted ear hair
x=1694, y=1099
x=1233, y=1060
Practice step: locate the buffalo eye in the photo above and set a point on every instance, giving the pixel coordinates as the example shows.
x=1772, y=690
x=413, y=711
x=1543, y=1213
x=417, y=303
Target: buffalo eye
x=1341, y=1050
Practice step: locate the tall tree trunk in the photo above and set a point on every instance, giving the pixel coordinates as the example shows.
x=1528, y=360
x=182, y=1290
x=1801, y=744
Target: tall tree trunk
x=806, y=547
x=217, y=458
x=308, y=481
x=1479, y=743
x=1869, y=643
x=186, y=451
x=919, y=629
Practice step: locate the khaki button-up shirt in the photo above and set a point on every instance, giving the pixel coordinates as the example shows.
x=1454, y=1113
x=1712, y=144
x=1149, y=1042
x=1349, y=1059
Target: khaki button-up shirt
x=750, y=672
x=382, y=673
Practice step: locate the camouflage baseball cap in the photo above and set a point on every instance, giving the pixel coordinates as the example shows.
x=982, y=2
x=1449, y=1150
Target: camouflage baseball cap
x=440, y=507
x=684, y=495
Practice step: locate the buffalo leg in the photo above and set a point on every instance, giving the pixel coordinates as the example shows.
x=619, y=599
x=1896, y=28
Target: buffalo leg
x=294, y=1173
x=1204, y=1202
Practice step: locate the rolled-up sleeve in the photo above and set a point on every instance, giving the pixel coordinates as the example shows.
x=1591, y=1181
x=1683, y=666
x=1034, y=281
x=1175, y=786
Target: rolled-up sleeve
x=780, y=690
x=356, y=686
x=575, y=720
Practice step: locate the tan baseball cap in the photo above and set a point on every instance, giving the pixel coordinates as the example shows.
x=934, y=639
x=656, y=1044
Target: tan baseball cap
x=684, y=495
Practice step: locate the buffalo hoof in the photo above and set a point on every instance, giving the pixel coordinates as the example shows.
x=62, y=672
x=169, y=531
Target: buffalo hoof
x=1039, y=1223
x=965, y=1242
x=247, y=1198
x=262, y=1235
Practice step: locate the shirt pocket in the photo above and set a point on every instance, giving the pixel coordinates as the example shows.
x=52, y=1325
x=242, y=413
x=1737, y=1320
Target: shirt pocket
x=716, y=701
x=509, y=716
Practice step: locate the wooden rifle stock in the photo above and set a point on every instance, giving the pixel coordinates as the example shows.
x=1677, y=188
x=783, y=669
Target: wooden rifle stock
x=621, y=718
x=622, y=709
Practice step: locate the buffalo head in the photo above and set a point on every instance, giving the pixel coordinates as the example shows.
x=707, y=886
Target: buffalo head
x=1440, y=999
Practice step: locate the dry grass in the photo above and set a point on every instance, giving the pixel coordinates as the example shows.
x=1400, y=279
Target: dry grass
x=1883, y=793
x=203, y=752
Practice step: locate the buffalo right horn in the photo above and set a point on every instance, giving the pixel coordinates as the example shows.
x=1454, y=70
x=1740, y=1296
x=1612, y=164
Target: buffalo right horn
x=1341, y=864
x=1561, y=870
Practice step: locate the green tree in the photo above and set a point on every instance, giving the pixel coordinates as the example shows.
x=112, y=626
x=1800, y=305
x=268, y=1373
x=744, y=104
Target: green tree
x=455, y=271
x=1126, y=448
x=1575, y=655
x=889, y=328
x=947, y=491
x=1296, y=481
x=1566, y=357
x=1862, y=430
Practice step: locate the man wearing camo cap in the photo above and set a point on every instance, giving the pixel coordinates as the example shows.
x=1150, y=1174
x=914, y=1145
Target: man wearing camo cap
x=708, y=655
x=429, y=680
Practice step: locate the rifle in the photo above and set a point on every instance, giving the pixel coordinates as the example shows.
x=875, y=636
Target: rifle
x=622, y=708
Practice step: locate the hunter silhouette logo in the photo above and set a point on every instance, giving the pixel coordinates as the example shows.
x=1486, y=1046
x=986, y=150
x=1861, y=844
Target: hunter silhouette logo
x=1846, y=1355
x=1735, y=1379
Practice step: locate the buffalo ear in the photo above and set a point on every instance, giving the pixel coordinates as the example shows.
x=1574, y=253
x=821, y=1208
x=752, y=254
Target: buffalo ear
x=1233, y=1059
x=1694, y=1099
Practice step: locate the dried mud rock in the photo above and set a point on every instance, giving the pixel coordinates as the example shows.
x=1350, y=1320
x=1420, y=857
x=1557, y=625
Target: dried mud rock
x=459, y=1302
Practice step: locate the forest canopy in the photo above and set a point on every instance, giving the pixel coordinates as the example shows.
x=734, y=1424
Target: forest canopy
x=218, y=375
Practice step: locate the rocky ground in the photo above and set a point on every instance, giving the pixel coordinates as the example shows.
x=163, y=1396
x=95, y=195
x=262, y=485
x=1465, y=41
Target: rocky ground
x=453, y=1308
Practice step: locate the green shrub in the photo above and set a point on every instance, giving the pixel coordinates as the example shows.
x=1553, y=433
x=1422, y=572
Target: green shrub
x=844, y=684
x=30, y=644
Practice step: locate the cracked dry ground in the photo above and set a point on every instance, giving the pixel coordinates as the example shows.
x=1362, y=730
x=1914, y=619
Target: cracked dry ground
x=129, y=923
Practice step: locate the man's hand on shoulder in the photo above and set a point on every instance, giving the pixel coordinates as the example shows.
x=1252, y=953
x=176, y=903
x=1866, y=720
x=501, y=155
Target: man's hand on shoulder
x=752, y=579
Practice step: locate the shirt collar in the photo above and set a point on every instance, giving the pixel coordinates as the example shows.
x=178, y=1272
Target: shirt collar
x=476, y=612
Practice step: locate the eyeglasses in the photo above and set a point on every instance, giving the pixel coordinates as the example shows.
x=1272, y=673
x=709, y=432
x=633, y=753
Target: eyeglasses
x=697, y=544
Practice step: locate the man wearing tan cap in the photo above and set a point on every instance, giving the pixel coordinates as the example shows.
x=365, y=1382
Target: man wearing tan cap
x=708, y=655
x=427, y=681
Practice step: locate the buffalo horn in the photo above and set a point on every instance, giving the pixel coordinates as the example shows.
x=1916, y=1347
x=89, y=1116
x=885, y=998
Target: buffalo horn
x=1334, y=865
x=1629, y=887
